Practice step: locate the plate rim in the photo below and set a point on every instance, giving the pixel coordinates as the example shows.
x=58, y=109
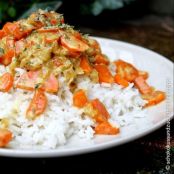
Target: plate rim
x=96, y=147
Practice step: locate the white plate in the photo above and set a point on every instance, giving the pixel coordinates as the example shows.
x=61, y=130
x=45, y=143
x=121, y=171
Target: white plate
x=161, y=77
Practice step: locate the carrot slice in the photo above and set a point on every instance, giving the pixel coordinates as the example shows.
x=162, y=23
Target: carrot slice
x=142, y=86
x=6, y=82
x=37, y=105
x=144, y=74
x=99, y=106
x=126, y=70
x=29, y=81
x=106, y=128
x=73, y=44
x=154, y=98
x=51, y=85
x=120, y=81
x=101, y=59
x=79, y=98
x=7, y=58
x=2, y=34
x=85, y=65
x=104, y=73
x=5, y=137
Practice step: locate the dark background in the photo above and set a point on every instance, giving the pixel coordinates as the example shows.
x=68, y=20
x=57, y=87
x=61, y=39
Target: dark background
x=148, y=23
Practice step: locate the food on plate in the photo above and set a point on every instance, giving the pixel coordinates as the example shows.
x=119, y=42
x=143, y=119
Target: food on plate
x=56, y=84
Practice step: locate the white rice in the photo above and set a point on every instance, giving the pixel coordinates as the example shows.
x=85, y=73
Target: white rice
x=61, y=121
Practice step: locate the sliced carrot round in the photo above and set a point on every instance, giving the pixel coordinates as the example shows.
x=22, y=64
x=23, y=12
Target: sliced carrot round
x=5, y=137
x=104, y=73
x=79, y=98
x=120, y=81
x=154, y=98
x=37, y=105
x=101, y=59
x=99, y=106
x=6, y=82
x=106, y=128
x=85, y=65
x=73, y=44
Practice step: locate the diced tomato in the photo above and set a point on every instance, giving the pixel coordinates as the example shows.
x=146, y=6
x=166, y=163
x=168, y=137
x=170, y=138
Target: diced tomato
x=154, y=98
x=104, y=73
x=120, y=81
x=73, y=44
x=37, y=105
x=126, y=70
x=142, y=86
x=106, y=128
x=6, y=82
x=100, y=108
x=101, y=59
x=85, y=65
x=79, y=98
x=5, y=137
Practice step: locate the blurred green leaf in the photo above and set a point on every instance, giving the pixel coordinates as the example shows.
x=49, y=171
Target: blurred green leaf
x=11, y=11
x=97, y=6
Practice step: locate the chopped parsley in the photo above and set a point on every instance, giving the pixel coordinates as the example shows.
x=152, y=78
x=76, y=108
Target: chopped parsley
x=1, y=51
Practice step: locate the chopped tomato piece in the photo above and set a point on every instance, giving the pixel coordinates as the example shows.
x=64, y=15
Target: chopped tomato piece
x=73, y=44
x=6, y=82
x=106, y=128
x=100, y=108
x=79, y=98
x=5, y=137
x=154, y=98
x=37, y=105
x=85, y=65
x=104, y=73
x=120, y=81
x=126, y=70
x=144, y=74
x=101, y=59
x=142, y=86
